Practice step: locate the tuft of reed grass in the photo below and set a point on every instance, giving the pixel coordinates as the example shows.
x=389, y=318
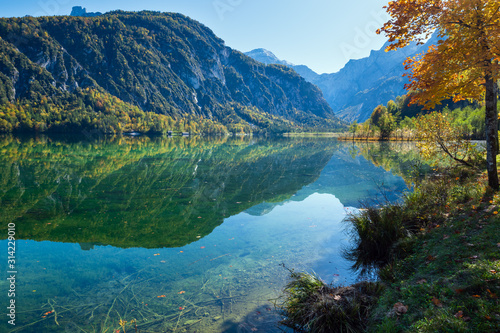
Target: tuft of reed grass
x=374, y=232
x=310, y=305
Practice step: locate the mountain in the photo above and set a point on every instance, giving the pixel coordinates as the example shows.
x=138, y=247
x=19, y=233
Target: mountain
x=163, y=69
x=362, y=84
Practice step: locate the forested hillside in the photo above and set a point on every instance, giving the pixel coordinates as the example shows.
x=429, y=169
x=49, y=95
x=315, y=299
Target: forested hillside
x=147, y=72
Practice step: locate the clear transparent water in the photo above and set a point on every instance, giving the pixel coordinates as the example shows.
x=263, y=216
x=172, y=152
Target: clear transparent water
x=177, y=235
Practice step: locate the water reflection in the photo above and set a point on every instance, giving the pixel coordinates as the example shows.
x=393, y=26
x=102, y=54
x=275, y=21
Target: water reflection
x=181, y=234
x=146, y=193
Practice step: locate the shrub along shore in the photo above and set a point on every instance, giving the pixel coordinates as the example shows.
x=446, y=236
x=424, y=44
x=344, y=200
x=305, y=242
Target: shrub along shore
x=437, y=257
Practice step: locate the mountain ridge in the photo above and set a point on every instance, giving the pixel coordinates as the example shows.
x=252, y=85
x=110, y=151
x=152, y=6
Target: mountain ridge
x=164, y=63
x=362, y=84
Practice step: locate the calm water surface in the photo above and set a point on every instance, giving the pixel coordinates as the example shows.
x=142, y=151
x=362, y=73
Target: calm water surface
x=177, y=234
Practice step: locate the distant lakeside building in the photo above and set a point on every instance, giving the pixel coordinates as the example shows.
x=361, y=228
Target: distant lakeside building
x=80, y=11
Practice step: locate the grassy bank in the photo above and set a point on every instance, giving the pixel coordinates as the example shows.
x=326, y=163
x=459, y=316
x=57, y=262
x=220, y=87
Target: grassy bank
x=449, y=278
x=438, y=260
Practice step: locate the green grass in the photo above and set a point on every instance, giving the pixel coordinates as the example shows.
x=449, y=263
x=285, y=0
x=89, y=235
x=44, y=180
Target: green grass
x=450, y=279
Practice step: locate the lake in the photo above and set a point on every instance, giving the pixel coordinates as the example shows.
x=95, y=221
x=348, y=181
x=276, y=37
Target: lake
x=178, y=234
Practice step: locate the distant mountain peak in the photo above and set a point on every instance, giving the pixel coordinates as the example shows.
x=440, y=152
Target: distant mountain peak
x=80, y=11
x=267, y=57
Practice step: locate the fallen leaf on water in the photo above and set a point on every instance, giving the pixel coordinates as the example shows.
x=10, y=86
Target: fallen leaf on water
x=437, y=302
x=181, y=308
x=202, y=247
x=181, y=292
x=156, y=254
x=163, y=261
x=161, y=296
x=181, y=251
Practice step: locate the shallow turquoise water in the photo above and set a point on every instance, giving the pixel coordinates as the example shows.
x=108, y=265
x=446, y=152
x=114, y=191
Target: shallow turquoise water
x=177, y=235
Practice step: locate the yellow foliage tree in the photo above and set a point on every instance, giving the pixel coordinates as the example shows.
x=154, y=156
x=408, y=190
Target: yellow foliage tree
x=435, y=135
x=463, y=65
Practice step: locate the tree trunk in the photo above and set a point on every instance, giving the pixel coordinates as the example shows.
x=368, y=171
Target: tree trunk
x=491, y=132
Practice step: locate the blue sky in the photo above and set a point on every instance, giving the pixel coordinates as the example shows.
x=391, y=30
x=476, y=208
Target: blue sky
x=322, y=34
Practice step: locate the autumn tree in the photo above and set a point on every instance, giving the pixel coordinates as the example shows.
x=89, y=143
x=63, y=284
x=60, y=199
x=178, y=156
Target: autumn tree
x=463, y=65
x=436, y=135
